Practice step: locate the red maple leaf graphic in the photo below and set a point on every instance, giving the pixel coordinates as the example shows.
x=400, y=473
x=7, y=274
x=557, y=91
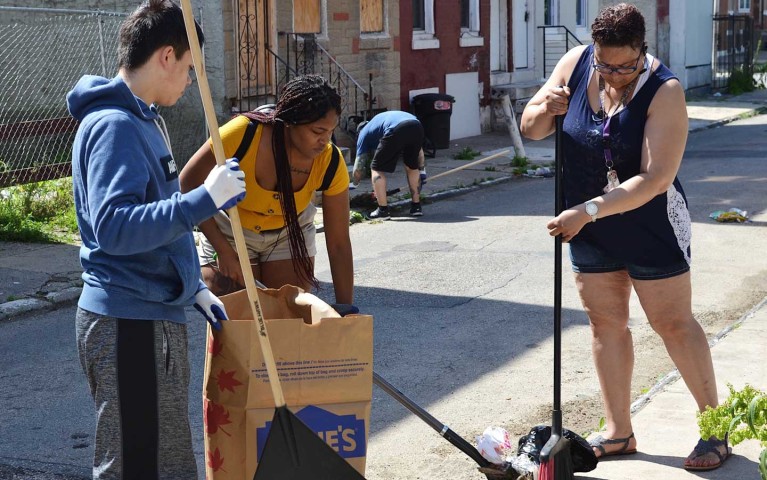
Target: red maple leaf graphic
x=226, y=381
x=215, y=346
x=216, y=461
x=214, y=417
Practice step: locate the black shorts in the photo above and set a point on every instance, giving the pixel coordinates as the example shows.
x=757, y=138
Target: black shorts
x=404, y=140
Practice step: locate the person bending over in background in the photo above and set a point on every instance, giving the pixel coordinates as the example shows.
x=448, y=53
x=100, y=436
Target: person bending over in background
x=287, y=155
x=625, y=214
x=138, y=252
x=387, y=137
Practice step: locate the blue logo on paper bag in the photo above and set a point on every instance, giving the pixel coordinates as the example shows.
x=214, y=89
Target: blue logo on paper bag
x=344, y=433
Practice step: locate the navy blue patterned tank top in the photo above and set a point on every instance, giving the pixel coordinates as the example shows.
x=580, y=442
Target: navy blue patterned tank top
x=658, y=232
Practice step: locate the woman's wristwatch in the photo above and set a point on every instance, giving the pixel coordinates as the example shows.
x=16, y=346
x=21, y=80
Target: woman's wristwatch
x=592, y=209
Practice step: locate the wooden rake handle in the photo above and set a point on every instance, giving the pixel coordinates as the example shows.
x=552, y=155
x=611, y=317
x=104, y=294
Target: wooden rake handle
x=470, y=164
x=239, y=237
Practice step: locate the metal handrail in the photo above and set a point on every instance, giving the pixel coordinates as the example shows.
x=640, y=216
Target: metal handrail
x=343, y=70
x=335, y=74
x=568, y=34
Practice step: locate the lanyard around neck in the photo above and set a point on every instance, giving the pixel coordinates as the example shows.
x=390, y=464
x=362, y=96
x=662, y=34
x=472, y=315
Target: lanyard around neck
x=603, y=116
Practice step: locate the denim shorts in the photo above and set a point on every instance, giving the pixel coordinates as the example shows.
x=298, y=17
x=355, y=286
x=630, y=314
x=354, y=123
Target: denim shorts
x=588, y=258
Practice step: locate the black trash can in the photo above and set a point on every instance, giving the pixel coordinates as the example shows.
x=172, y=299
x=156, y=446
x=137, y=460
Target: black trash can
x=434, y=110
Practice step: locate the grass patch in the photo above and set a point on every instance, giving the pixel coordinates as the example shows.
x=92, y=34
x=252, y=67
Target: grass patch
x=41, y=212
x=519, y=165
x=467, y=153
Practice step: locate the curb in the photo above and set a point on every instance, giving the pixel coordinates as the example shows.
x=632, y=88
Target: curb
x=751, y=113
x=51, y=301
x=674, y=375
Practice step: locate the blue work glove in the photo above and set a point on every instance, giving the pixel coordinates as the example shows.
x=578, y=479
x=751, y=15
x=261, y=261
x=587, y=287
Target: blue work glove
x=345, y=309
x=211, y=308
x=422, y=178
x=226, y=184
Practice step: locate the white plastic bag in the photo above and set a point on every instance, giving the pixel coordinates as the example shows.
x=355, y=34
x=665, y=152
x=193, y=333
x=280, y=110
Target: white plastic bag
x=494, y=444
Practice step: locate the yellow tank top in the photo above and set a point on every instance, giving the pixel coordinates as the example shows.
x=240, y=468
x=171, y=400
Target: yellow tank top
x=261, y=208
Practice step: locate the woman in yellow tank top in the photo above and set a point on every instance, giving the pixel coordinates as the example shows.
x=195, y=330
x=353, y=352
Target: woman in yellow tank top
x=285, y=163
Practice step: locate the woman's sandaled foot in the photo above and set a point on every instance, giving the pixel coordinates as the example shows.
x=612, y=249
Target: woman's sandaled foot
x=604, y=447
x=708, y=454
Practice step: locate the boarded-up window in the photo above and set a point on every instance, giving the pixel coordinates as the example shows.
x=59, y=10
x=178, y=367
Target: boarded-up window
x=371, y=16
x=306, y=16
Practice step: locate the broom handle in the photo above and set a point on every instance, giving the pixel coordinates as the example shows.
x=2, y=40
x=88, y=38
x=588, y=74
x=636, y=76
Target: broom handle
x=556, y=413
x=475, y=162
x=438, y=426
x=239, y=237
x=558, y=197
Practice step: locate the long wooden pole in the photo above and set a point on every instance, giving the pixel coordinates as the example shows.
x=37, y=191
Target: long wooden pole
x=470, y=164
x=239, y=237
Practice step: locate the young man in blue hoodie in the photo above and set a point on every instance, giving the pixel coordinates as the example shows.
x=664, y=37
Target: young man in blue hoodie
x=138, y=254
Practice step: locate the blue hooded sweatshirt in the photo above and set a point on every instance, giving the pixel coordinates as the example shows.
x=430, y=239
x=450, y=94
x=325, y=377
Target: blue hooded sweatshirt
x=138, y=251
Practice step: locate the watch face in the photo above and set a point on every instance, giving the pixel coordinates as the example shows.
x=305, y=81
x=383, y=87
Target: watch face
x=591, y=208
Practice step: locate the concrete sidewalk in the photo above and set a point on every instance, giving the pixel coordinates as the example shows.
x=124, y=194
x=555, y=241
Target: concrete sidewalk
x=665, y=424
x=46, y=276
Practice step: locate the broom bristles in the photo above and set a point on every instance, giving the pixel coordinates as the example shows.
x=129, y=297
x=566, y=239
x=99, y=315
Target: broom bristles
x=556, y=462
x=546, y=472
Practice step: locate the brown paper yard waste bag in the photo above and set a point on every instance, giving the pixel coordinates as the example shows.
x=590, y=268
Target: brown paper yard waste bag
x=325, y=365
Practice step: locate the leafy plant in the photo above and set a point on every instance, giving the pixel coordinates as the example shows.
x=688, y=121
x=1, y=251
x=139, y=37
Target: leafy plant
x=38, y=212
x=741, y=81
x=491, y=168
x=355, y=217
x=743, y=415
x=466, y=153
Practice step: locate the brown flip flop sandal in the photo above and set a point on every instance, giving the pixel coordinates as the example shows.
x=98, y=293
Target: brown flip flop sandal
x=599, y=443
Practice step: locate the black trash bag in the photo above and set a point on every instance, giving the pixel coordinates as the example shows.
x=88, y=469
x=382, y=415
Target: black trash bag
x=584, y=459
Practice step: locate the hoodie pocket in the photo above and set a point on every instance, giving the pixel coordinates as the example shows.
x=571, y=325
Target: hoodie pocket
x=189, y=277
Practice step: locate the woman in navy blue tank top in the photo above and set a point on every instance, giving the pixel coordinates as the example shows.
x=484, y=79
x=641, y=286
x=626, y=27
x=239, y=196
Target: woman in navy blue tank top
x=625, y=215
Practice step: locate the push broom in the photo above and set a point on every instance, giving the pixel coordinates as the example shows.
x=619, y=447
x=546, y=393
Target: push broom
x=292, y=450
x=556, y=462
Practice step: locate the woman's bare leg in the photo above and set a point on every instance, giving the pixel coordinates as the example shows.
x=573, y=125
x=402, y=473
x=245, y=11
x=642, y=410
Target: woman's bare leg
x=605, y=298
x=668, y=306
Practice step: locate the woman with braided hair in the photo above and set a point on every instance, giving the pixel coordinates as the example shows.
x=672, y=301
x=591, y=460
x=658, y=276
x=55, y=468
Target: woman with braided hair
x=286, y=154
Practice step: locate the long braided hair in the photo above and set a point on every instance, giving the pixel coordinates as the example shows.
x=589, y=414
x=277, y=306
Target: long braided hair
x=304, y=99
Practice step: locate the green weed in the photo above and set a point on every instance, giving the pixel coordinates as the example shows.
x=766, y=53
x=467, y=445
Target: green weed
x=40, y=212
x=467, y=153
x=741, y=81
x=355, y=217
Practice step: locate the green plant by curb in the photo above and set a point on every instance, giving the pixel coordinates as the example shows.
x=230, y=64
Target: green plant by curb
x=742, y=416
x=466, y=153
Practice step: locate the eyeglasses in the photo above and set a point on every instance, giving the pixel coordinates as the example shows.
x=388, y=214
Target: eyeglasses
x=607, y=69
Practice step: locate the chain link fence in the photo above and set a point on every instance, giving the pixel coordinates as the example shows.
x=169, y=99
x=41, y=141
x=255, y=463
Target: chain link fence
x=43, y=53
